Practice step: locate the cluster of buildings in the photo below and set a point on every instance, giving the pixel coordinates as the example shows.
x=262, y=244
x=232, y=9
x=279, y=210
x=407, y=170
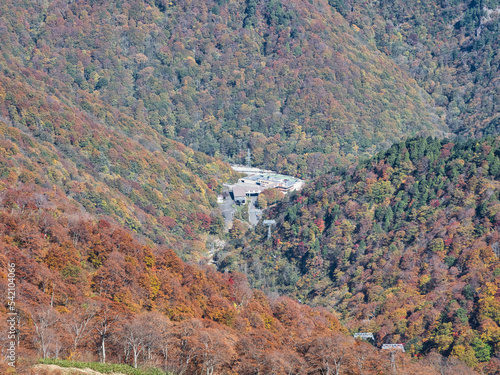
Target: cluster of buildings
x=255, y=184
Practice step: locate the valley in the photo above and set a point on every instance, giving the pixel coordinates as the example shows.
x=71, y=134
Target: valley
x=140, y=237
x=246, y=191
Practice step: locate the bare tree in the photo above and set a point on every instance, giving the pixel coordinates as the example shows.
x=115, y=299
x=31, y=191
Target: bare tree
x=328, y=354
x=78, y=323
x=133, y=336
x=363, y=357
x=159, y=337
x=104, y=321
x=183, y=334
x=212, y=350
x=44, y=320
x=140, y=336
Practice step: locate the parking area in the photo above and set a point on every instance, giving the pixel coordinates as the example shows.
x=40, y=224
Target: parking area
x=254, y=214
x=228, y=209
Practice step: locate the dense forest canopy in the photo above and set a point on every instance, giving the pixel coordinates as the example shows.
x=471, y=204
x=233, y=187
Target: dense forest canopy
x=450, y=47
x=89, y=289
x=405, y=244
x=117, y=119
x=293, y=82
x=119, y=168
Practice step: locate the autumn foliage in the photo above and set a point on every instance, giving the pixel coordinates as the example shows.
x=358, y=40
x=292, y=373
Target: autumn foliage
x=89, y=290
x=405, y=245
x=296, y=84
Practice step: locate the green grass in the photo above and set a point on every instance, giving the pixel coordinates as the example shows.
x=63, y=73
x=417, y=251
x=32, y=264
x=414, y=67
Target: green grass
x=105, y=368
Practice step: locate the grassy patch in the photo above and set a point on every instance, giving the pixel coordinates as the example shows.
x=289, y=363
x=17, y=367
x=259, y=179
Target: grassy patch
x=105, y=368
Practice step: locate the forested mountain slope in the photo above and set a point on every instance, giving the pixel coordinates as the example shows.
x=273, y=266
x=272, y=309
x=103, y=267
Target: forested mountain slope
x=450, y=47
x=88, y=289
x=97, y=195
x=291, y=80
x=406, y=245
x=114, y=166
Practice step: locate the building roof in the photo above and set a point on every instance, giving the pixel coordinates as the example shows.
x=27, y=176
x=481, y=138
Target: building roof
x=257, y=183
x=271, y=177
x=241, y=190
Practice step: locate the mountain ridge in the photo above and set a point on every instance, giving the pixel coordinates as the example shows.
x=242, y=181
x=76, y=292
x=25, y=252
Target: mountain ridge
x=295, y=84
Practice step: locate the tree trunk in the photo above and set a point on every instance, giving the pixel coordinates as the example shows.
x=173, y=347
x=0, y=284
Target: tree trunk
x=103, y=350
x=136, y=354
x=165, y=355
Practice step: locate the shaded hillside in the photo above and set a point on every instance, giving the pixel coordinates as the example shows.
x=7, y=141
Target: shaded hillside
x=88, y=289
x=450, y=47
x=406, y=245
x=293, y=82
x=115, y=166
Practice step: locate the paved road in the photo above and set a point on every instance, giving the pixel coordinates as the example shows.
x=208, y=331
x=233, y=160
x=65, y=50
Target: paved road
x=228, y=211
x=249, y=170
x=254, y=214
